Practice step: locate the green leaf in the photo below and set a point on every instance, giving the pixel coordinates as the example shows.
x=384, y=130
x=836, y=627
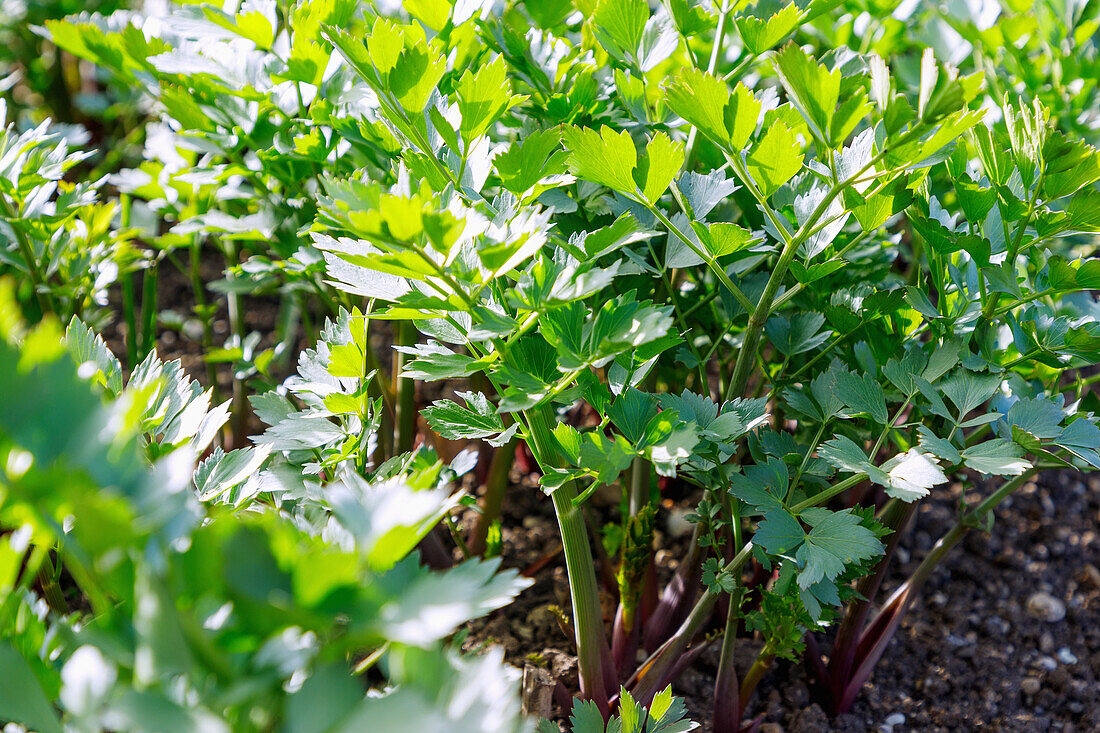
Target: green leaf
x=432, y=13
x=797, y=334
x=662, y=162
x=705, y=102
x=483, y=97
x=776, y=158
x=1039, y=416
x=87, y=348
x=844, y=454
x=631, y=413
x=605, y=157
x=967, y=390
x=623, y=22
x=862, y=395
x=762, y=30
x=813, y=89
x=586, y=718
x=21, y=697
x=763, y=487
x=996, y=457
x=779, y=532
x=454, y=422
x=836, y=541
x=1070, y=166
x=435, y=362
x=530, y=160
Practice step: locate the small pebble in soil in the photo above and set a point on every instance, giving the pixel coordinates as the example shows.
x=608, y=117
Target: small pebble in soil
x=1091, y=576
x=1046, y=663
x=1065, y=656
x=892, y=721
x=1030, y=686
x=771, y=728
x=1046, y=607
x=1046, y=642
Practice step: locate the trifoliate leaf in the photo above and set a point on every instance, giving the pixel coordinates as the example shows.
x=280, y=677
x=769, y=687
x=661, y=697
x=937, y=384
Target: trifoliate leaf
x=479, y=420
x=705, y=102
x=836, y=541
x=1039, y=417
x=776, y=158
x=967, y=390
x=765, y=27
x=605, y=157
x=762, y=487
x=483, y=97
x=530, y=160
x=813, y=88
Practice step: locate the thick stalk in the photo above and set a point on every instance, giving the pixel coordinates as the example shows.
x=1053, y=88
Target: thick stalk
x=754, y=675
x=592, y=648
x=746, y=358
x=149, y=309
x=239, y=409
x=405, y=407
x=727, y=698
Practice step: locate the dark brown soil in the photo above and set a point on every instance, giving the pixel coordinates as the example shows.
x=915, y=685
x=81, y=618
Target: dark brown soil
x=967, y=657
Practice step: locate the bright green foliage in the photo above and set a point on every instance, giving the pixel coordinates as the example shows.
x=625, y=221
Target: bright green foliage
x=666, y=714
x=62, y=242
x=771, y=251
x=200, y=617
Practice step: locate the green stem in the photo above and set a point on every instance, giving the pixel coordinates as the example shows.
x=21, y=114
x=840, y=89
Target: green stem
x=754, y=675
x=823, y=496
x=239, y=408
x=129, y=314
x=198, y=291
x=26, y=249
x=149, y=309
x=711, y=263
x=592, y=648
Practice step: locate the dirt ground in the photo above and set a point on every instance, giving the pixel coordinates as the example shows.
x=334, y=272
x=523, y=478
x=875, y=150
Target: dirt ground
x=969, y=655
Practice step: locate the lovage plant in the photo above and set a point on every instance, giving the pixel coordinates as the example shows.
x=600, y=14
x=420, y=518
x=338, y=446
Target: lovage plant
x=785, y=249
x=796, y=259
